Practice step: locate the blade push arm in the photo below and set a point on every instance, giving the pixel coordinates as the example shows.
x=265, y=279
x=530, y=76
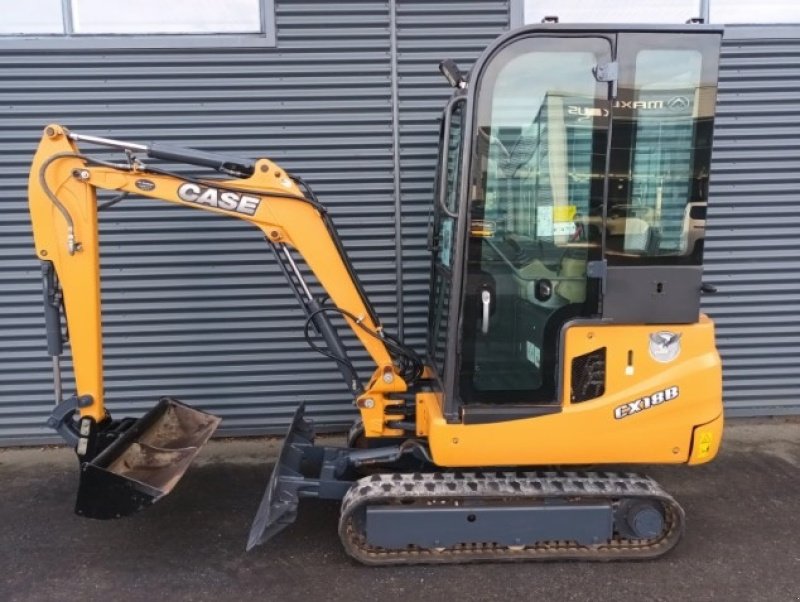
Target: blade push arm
x=63, y=207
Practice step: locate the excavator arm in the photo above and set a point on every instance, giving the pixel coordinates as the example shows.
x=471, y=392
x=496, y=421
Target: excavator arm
x=64, y=212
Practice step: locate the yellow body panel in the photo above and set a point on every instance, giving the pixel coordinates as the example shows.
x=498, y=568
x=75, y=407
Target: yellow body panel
x=596, y=431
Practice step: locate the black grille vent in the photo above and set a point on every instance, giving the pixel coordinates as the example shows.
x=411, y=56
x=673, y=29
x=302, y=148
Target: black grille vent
x=589, y=375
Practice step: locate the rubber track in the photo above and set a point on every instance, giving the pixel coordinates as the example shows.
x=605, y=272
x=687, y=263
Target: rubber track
x=507, y=487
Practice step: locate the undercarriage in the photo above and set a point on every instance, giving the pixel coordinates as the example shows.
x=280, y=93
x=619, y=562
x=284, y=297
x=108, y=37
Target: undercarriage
x=429, y=516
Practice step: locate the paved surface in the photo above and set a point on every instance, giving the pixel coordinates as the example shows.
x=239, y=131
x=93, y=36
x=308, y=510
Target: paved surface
x=742, y=540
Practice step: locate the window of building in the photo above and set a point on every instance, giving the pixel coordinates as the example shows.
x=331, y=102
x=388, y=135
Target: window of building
x=70, y=18
x=730, y=12
x=612, y=11
x=31, y=17
x=726, y=12
x=166, y=16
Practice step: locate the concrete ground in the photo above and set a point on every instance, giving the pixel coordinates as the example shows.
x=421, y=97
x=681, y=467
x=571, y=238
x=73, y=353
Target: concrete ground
x=742, y=540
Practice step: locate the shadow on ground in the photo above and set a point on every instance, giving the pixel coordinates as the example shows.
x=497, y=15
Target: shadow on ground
x=742, y=540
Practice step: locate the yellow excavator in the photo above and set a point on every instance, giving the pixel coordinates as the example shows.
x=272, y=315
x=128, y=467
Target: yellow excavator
x=565, y=335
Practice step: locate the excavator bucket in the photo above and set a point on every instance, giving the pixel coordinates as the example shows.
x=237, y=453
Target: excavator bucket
x=145, y=462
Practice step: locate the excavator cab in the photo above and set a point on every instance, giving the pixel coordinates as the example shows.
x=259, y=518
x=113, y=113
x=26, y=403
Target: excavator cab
x=574, y=181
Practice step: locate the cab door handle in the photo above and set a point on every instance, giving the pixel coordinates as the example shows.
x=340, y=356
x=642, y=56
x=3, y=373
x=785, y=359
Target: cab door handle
x=486, y=303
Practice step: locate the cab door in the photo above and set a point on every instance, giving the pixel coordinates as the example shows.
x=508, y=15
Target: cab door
x=535, y=214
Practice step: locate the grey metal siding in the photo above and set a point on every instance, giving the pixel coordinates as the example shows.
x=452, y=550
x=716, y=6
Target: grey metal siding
x=754, y=224
x=193, y=304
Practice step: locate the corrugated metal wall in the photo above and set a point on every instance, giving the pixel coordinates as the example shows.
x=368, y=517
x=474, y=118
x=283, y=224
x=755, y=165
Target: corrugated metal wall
x=754, y=225
x=193, y=304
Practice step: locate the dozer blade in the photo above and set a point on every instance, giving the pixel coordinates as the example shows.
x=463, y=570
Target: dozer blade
x=303, y=470
x=278, y=507
x=145, y=462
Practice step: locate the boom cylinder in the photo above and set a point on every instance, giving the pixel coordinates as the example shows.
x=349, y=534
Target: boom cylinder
x=319, y=318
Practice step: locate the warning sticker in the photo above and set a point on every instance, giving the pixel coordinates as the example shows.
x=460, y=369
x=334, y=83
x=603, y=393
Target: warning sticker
x=704, y=445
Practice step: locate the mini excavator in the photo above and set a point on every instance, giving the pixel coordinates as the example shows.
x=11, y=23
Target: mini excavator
x=565, y=334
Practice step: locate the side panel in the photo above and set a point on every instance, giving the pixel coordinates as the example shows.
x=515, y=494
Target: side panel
x=647, y=414
x=637, y=294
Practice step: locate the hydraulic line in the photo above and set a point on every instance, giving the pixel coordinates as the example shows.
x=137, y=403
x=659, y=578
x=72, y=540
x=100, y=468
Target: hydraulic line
x=413, y=366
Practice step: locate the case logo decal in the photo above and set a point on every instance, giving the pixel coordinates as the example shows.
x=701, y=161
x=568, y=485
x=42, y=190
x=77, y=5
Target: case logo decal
x=220, y=199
